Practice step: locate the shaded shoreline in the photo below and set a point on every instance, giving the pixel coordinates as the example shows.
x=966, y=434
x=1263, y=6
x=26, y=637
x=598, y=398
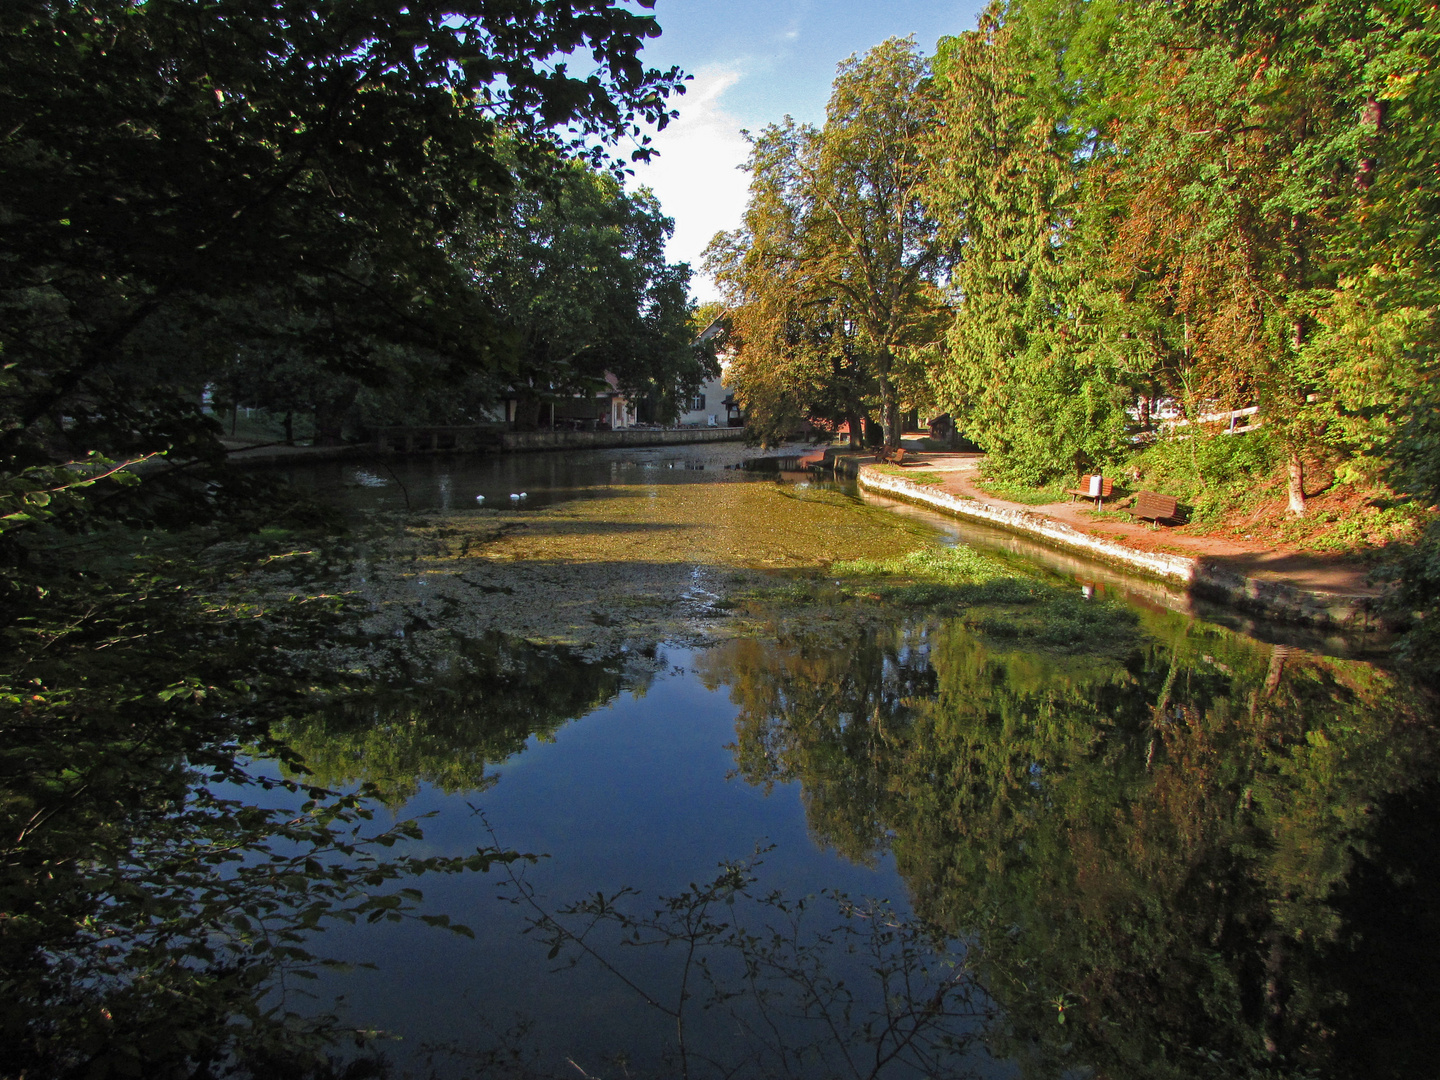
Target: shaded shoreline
x=508, y=442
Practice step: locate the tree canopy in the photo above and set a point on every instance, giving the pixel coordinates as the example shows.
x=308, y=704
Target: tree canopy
x=576, y=276
x=1077, y=220
x=281, y=199
x=832, y=278
x=167, y=165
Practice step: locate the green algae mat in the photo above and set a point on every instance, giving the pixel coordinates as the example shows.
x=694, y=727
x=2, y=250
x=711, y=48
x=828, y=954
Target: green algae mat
x=696, y=562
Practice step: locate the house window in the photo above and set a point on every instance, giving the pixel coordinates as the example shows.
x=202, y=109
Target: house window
x=697, y=403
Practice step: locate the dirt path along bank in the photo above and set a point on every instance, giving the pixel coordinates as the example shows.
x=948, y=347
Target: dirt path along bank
x=1286, y=584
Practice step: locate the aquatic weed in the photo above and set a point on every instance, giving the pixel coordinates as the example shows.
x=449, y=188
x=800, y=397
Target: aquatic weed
x=1006, y=590
x=936, y=594
x=924, y=594
x=955, y=565
x=963, y=580
x=1067, y=621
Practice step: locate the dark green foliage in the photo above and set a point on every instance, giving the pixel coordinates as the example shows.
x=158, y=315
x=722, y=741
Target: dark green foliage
x=155, y=884
x=182, y=183
x=1211, y=474
x=576, y=276
x=264, y=198
x=1417, y=598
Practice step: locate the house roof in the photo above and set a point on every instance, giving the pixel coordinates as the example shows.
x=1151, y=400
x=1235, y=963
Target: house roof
x=716, y=325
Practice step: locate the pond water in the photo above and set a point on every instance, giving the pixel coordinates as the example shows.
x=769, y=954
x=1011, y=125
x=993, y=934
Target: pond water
x=1112, y=835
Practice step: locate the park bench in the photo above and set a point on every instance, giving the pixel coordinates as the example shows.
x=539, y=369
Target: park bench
x=1153, y=506
x=895, y=457
x=1092, y=487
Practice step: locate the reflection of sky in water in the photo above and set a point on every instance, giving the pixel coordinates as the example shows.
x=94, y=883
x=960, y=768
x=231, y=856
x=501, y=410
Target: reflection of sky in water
x=640, y=793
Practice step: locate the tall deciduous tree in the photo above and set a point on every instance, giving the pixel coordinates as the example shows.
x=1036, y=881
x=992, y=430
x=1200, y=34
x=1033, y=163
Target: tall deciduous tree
x=793, y=343
x=576, y=275
x=835, y=235
x=158, y=158
x=1020, y=370
x=1222, y=188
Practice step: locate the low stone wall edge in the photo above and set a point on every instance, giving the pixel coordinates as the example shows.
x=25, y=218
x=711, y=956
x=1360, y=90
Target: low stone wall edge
x=520, y=441
x=1271, y=599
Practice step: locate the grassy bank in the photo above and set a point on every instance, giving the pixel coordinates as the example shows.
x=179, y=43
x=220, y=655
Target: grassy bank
x=1235, y=487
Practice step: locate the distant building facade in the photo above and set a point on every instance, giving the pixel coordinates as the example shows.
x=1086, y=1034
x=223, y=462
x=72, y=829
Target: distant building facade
x=713, y=405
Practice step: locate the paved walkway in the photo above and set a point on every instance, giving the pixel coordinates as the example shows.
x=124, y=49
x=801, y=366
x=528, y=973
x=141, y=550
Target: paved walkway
x=1311, y=571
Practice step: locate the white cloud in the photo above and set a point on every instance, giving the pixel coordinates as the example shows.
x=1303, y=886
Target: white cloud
x=696, y=175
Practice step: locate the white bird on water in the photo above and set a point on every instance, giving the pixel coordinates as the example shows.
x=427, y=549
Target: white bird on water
x=480, y=498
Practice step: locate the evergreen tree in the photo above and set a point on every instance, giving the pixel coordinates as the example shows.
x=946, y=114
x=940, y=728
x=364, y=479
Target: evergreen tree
x=1019, y=370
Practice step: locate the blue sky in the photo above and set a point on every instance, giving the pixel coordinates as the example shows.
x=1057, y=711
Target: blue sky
x=755, y=61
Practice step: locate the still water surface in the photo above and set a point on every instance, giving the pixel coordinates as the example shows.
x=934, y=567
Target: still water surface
x=1171, y=850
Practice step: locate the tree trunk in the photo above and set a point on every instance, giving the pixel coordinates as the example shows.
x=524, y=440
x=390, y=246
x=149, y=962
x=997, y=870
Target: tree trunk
x=330, y=416
x=1278, y=655
x=1297, y=484
x=527, y=414
x=889, y=414
x=289, y=428
x=856, y=425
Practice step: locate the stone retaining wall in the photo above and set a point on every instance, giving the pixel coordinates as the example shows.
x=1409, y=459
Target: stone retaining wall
x=1202, y=577
x=599, y=440
x=479, y=440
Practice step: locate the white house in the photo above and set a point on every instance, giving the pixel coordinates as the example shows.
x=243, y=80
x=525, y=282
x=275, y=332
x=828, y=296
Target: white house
x=714, y=403
x=622, y=412
x=712, y=406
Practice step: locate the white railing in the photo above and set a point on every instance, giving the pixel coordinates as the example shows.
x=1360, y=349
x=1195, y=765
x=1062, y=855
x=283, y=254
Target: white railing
x=1227, y=418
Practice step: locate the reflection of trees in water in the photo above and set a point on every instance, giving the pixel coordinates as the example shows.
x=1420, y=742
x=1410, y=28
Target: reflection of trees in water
x=1189, y=862
x=157, y=890
x=757, y=984
x=826, y=718
x=476, y=707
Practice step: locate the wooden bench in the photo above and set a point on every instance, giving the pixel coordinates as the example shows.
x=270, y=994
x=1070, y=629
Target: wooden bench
x=1083, y=491
x=895, y=457
x=1153, y=506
